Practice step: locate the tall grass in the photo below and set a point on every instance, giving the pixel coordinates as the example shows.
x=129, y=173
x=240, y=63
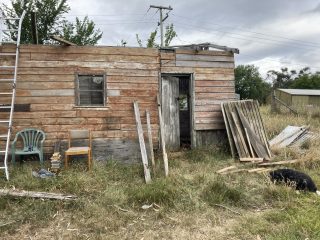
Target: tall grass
x=190, y=199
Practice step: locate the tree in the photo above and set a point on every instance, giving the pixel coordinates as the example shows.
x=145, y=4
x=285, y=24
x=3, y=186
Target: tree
x=303, y=79
x=169, y=35
x=307, y=81
x=49, y=18
x=281, y=79
x=50, y=21
x=249, y=83
x=82, y=32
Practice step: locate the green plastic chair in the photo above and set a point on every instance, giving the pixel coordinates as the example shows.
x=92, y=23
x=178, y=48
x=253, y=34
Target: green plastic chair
x=32, y=140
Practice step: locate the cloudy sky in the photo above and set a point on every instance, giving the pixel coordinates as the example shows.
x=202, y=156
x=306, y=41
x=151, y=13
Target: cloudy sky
x=270, y=34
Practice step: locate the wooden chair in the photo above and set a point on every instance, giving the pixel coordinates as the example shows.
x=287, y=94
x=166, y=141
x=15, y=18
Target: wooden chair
x=72, y=151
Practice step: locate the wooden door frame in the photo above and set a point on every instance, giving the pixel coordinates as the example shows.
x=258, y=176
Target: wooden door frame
x=192, y=100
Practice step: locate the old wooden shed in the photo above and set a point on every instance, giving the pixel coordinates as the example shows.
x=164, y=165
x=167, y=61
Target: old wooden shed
x=299, y=98
x=93, y=87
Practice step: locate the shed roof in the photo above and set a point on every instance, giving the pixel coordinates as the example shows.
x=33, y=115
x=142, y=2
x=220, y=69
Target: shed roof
x=307, y=92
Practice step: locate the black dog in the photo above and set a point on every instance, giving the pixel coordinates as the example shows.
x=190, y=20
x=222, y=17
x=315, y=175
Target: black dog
x=299, y=179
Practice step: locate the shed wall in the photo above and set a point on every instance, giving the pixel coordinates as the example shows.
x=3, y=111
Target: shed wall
x=46, y=81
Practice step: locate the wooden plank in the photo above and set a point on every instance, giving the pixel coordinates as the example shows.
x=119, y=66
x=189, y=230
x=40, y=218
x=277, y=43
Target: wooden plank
x=256, y=143
x=163, y=144
x=235, y=136
x=209, y=126
x=251, y=159
x=32, y=194
x=92, y=57
x=203, y=52
x=101, y=65
x=63, y=41
x=213, y=83
x=204, y=58
x=205, y=64
x=214, y=89
x=227, y=125
x=240, y=133
x=281, y=162
x=150, y=142
x=144, y=157
x=226, y=169
x=266, y=142
x=89, y=50
x=249, y=143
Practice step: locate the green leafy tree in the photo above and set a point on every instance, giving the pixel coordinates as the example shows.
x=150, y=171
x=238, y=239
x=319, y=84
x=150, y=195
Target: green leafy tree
x=50, y=21
x=169, y=35
x=306, y=81
x=249, y=83
x=151, y=43
x=303, y=79
x=83, y=32
x=49, y=18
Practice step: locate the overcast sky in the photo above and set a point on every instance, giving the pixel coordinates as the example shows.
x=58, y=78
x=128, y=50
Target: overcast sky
x=269, y=34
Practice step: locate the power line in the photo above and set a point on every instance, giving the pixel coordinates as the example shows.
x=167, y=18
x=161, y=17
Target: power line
x=207, y=30
x=259, y=33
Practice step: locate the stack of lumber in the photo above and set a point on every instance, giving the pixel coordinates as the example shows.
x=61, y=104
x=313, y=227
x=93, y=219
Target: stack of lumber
x=293, y=136
x=245, y=129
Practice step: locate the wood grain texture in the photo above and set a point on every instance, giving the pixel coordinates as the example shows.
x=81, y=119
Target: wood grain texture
x=46, y=81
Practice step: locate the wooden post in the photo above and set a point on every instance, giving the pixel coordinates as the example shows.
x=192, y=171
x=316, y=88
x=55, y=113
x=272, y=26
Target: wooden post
x=143, y=150
x=150, y=142
x=163, y=145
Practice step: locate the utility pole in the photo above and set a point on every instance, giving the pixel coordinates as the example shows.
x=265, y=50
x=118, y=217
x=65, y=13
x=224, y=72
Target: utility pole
x=160, y=8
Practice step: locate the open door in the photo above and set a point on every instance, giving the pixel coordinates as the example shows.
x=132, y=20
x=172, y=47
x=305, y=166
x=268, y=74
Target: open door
x=177, y=110
x=170, y=111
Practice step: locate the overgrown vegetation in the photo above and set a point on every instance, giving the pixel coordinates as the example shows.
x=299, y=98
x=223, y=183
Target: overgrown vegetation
x=194, y=202
x=49, y=21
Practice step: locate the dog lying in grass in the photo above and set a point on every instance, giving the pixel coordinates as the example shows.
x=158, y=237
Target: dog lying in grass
x=291, y=177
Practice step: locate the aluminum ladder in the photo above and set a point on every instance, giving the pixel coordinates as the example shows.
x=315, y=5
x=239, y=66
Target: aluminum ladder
x=10, y=71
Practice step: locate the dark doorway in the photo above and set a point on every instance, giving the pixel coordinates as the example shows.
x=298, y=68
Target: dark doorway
x=176, y=110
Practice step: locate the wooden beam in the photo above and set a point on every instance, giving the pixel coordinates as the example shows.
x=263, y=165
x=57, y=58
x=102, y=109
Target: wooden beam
x=150, y=142
x=251, y=159
x=163, y=145
x=280, y=162
x=143, y=150
x=63, y=41
x=226, y=169
x=23, y=193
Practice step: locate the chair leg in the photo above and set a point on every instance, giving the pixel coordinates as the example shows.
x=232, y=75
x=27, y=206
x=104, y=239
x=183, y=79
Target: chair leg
x=89, y=160
x=66, y=161
x=13, y=158
x=41, y=158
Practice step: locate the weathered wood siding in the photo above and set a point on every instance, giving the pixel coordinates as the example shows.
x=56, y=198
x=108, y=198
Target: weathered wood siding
x=46, y=81
x=213, y=73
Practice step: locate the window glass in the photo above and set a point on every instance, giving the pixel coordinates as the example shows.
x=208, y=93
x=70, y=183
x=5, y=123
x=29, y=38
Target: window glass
x=91, y=90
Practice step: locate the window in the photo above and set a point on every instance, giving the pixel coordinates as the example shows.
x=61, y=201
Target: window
x=90, y=90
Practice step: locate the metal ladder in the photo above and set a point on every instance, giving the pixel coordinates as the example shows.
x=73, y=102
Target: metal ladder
x=12, y=70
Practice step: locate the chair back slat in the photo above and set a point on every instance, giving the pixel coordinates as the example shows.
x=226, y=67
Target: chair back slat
x=79, y=134
x=31, y=137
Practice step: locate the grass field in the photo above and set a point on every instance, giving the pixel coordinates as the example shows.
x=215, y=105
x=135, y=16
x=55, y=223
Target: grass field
x=192, y=203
